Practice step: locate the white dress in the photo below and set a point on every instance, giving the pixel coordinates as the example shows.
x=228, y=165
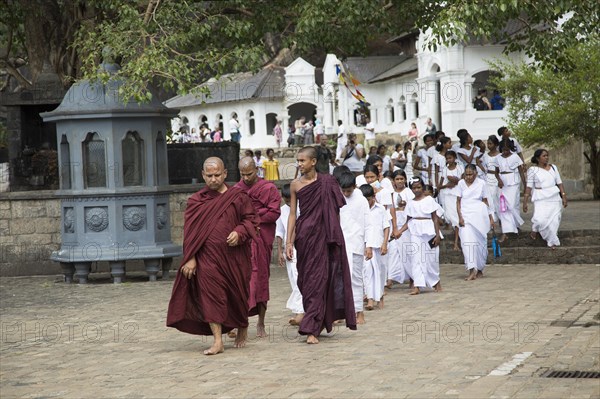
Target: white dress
x=375, y=268
x=475, y=213
x=424, y=163
x=448, y=195
x=467, y=153
x=548, y=208
x=492, y=184
x=511, y=218
x=424, y=260
x=294, y=302
x=398, y=265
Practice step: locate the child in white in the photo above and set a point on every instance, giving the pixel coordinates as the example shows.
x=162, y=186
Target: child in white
x=358, y=237
x=398, y=265
x=294, y=302
x=375, y=270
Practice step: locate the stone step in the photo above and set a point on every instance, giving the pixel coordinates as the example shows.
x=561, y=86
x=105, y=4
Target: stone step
x=532, y=255
x=572, y=238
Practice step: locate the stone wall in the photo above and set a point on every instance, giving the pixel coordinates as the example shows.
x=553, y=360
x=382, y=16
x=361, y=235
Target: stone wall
x=30, y=231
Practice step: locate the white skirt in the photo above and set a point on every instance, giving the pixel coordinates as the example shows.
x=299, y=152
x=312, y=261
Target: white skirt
x=448, y=202
x=398, y=264
x=424, y=261
x=473, y=236
x=493, y=195
x=294, y=302
x=546, y=218
x=511, y=219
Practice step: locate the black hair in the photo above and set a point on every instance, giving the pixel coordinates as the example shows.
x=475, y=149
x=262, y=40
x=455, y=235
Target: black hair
x=472, y=167
x=367, y=190
x=270, y=150
x=407, y=144
x=285, y=191
x=397, y=146
x=429, y=187
x=428, y=136
x=461, y=132
x=258, y=153
x=339, y=170
x=494, y=140
x=478, y=143
x=413, y=180
x=441, y=144
x=371, y=168
x=374, y=158
x=399, y=172
x=386, y=173
x=439, y=134
x=380, y=147
x=310, y=151
x=535, y=159
x=507, y=143
x=501, y=130
x=452, y=153
x=463, y=138
x=347, y=180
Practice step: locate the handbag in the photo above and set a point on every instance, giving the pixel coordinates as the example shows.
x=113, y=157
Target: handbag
x=496, y=245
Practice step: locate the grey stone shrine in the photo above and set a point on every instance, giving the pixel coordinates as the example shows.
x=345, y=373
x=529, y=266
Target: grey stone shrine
x=113, y=181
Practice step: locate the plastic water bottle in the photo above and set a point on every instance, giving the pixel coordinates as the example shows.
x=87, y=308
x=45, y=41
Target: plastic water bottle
x=503, y=206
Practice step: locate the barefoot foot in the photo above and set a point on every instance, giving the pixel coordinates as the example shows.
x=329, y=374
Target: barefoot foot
x=438, y=287
x=479, y=274
x=503, y=238
x=260, y=331
x=370, y=305
x=389, y=284
x=360, y=318
x=312, y=340
x=295, y=321
x=415, y=291
x=472, y=276
x=242, y=337
x=215, y=349
x=533, y=235
x=231, y=334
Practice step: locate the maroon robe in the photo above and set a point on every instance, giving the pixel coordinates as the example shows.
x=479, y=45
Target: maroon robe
x=218, y=292
x=323, y=271
x=267, y=203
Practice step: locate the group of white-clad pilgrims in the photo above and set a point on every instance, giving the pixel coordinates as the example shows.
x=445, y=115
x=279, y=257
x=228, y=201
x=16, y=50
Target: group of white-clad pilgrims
x=392, y=221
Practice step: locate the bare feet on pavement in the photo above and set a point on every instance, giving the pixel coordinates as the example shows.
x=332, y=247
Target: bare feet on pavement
x=242, y=337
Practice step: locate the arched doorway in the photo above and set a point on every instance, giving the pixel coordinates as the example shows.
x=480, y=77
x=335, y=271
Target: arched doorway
x=298, y=110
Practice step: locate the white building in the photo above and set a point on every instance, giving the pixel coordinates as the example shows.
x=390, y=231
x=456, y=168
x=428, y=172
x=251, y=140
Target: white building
x=399, y=90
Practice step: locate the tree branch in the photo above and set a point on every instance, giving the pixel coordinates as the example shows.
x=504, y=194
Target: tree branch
x=14, y=72
x=152, y=5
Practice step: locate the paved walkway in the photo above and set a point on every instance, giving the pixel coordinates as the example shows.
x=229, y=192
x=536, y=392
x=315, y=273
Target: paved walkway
x=493, y=337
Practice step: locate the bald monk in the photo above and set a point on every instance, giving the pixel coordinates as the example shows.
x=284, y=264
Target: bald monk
x=267, y=201
x=210, y=293
x=323, y=272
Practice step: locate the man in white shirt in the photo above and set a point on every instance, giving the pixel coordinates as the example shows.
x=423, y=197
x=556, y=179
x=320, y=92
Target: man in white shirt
x=430, y=127
x=234, y=128
x=342, y=140
x=358, y=237
x=369, y=133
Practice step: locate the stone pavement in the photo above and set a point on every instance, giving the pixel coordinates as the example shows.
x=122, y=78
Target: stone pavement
x=493, y=337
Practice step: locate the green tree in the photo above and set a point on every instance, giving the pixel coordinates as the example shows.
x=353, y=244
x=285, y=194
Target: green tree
x=553, y=107
x=178, y=44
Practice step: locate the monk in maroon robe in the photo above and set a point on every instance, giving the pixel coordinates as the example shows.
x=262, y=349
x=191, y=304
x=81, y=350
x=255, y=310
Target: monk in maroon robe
x=323, y=272
x=267, y=201
x=210, y=293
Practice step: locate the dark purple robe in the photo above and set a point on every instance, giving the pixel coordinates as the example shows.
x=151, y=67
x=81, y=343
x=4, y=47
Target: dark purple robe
x=323, y=272
x=218, y=292
x=267, y=203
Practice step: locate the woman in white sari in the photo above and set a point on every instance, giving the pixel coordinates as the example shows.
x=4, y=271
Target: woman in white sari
x=548, y=196
x=510, y=174
x=492, y=183
x=475, y=221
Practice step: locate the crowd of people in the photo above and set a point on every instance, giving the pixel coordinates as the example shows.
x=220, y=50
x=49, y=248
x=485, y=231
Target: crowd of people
x=347, y=235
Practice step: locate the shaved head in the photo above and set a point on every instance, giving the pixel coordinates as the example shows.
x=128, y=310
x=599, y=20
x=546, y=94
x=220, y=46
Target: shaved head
x=309, y=151
x=214, y=162
x=246, y=162
x=248, y=170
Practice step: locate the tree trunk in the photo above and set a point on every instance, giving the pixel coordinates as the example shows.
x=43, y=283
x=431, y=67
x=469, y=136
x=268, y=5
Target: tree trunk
x=594, y=160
